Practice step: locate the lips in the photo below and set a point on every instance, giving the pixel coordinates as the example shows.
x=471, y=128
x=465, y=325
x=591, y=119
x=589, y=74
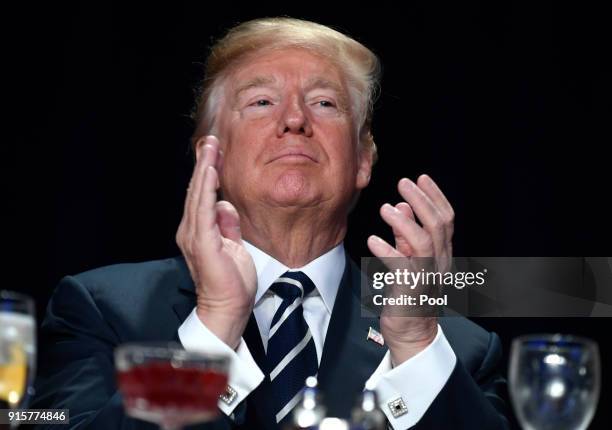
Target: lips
x=294, y=154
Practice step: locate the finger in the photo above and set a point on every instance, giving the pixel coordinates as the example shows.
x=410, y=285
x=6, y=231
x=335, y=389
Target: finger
x=196, y=177
x=228, y=221
x=394, y=259
x=206, y=154
x=436, y=195
x=405, y=209
x=204, y=147
x=439, y=199
x=206, y=212
x=381, y=248
x=426, y=211
x=419, y=240
x=219, y=164
x=186, y=224
x=391, y=257
x=401, y=244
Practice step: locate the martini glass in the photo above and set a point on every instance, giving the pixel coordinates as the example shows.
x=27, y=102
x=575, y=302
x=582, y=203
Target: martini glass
x=169, y=386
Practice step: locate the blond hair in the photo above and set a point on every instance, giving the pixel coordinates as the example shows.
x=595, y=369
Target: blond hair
x=359, y=65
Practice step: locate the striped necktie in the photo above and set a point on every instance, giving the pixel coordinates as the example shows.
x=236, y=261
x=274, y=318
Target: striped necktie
x=291, y=353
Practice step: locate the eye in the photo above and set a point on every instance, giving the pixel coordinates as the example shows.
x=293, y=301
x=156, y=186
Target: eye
x=325, y=103
x=261, y=102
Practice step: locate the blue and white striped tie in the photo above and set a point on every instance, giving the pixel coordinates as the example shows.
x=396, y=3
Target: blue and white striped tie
x=291, y=352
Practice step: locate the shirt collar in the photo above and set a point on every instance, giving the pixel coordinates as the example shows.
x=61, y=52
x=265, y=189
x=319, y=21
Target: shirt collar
x=325, y=272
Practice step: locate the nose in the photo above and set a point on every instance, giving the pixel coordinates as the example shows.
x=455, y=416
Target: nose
x=294, y=119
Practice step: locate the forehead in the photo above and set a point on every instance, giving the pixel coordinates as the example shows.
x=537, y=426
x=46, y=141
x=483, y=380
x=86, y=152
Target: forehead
x=278, y=66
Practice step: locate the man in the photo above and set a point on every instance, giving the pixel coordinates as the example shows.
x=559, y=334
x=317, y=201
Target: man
x=283, y=133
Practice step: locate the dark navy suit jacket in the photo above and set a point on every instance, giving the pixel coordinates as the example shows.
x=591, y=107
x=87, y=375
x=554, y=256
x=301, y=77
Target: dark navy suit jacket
x=93, y=312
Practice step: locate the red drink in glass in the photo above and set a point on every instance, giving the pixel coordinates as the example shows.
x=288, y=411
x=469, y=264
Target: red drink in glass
x=172, y=391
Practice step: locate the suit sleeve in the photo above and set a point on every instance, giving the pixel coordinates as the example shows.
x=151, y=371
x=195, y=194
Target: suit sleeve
x=469, y=402
x=76, y=365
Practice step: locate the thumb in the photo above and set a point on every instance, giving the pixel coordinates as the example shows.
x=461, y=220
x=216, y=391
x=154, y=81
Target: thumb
x=228, y=221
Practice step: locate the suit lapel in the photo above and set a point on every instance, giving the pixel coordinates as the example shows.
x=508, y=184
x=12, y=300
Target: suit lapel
x=186, y=299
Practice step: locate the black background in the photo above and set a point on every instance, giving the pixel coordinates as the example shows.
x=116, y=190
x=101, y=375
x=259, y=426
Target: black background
x=506, y=105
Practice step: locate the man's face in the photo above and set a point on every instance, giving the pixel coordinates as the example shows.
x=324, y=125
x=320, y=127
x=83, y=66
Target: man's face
x=286, y=128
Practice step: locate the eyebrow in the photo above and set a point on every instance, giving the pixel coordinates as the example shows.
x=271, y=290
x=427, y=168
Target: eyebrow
x=258, y=81
x=323, y=83
x=318, y=82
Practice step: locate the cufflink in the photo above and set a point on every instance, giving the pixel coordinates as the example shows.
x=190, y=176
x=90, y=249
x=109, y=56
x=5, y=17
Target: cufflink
x=229, y=396
x=397, y=407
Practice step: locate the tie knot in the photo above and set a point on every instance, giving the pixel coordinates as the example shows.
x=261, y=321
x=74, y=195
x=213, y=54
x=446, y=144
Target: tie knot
x=292, y=285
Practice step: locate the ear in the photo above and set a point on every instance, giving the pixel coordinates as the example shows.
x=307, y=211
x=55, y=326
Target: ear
x=365, y=161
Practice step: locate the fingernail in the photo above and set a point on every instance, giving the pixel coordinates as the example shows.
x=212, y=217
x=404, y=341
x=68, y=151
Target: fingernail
x=405, y=182
x=376, y=239
x=211, y=139
x=390, y=209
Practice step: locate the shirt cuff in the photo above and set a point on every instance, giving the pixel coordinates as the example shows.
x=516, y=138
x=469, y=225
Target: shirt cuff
x=244, y=374
x=405, y=392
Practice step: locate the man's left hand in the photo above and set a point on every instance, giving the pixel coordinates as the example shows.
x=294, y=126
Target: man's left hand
x=407, y=336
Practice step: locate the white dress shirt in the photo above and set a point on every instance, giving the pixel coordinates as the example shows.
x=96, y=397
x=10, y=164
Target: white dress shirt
x=417, y=381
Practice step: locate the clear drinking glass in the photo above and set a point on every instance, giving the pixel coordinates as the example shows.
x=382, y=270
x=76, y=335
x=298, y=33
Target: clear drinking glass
x=167, y=385
x=554, y=381
x=17, y=349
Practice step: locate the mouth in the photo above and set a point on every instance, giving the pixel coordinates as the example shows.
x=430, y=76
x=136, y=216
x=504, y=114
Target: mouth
x=294, y=156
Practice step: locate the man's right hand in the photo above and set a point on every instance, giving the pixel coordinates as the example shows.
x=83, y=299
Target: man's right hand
x=209, y=237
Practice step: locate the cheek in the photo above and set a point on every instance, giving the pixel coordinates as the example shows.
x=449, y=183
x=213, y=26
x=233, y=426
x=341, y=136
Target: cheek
x=236, y=162
x=241, y=154
x=233, y=156
x=342, y=148
x=257, y=116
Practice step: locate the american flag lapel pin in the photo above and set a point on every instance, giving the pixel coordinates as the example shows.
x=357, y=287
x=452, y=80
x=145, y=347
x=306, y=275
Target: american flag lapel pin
x=375, y=336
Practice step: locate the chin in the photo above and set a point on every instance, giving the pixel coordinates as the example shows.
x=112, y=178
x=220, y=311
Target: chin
x=293, y=188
